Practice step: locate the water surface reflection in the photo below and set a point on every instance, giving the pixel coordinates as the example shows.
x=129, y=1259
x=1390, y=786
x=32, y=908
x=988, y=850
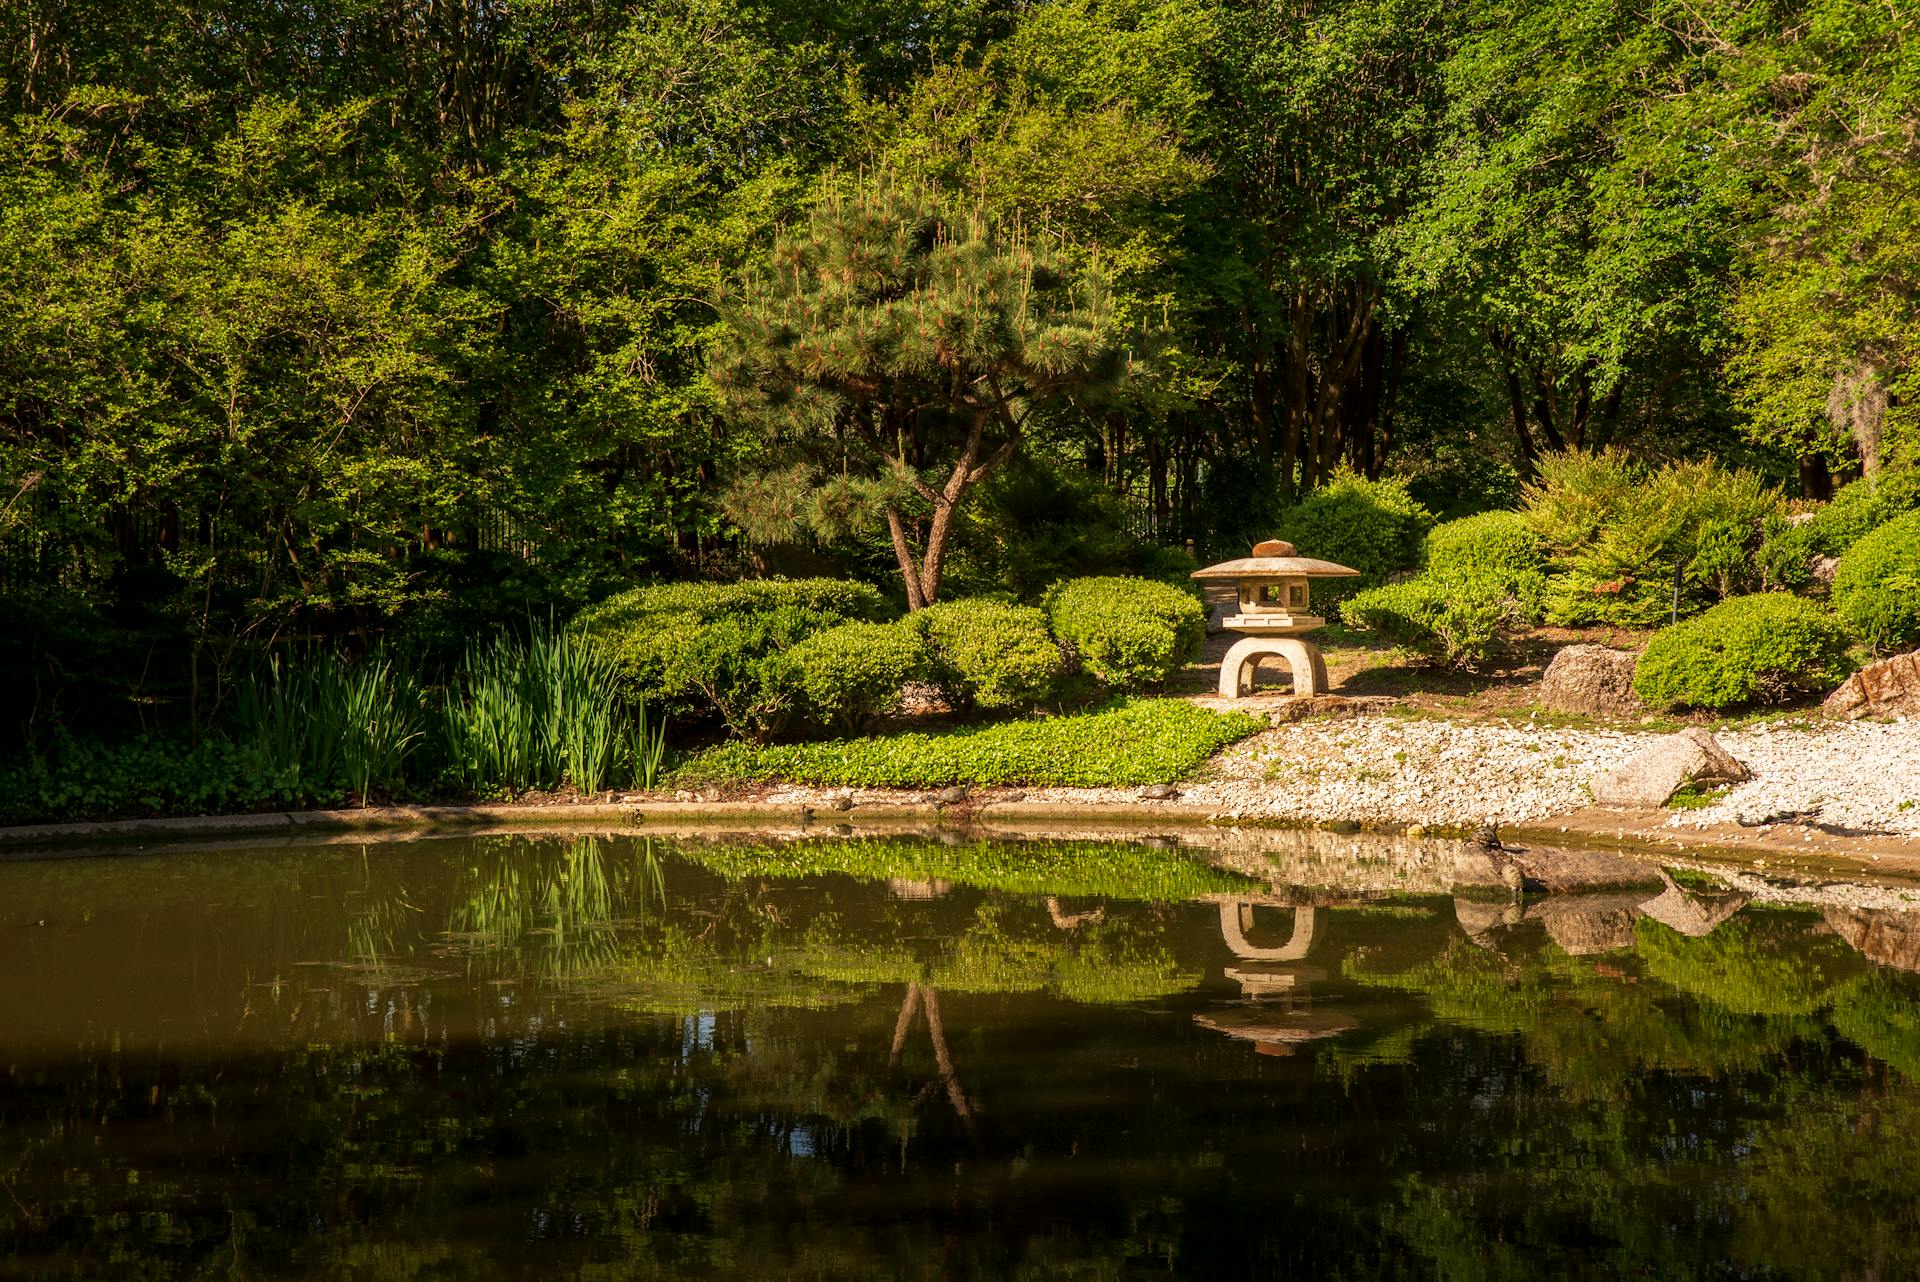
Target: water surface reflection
x=512, y=1057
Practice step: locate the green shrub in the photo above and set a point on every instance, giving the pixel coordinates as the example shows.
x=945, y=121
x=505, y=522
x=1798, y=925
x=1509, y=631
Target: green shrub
x=734, y=667
x=1856, y=510
x=1765, y=648
x=1877, y=586
x=1455, y=623
x=1374, y=527
x=988, y=654
x=646, y=628
x=1129, y=743
x=1618, y=535
x=848, y=675
x=1129, y=634
x=656, y=635
x=1862, y=507
x=1497, y=550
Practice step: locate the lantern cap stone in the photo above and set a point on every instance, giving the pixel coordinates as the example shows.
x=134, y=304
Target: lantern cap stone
x=1275, y=559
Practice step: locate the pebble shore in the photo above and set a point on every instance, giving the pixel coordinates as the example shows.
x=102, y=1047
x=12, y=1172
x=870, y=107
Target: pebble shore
x=1862, y=776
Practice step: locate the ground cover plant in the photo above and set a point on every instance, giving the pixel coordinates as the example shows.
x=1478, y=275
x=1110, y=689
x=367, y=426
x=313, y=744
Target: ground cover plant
x=1141, y=741
x=1767, y=648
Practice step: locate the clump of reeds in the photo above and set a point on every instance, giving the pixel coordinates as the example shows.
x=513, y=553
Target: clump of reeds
x=514, y=716
x=540, y=713
x=319, y=725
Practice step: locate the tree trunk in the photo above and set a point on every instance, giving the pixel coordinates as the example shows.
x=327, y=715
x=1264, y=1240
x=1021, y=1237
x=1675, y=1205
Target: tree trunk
x=1816, y=482
x=1502, y=344
x=903, y=551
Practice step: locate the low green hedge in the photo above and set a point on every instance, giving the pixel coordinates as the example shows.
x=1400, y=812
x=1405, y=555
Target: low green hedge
x=988, y=654
x=847, y=676
x=1857, y=510
x=1876, y=588
x=1765, y=648
x=1456, y=624
x=1130, y=634
x=1125, y=744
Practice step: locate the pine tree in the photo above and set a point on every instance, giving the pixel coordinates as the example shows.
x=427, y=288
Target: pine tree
x=900, y=352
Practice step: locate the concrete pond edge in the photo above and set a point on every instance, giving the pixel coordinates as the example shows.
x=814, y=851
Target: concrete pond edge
x=1631, y=834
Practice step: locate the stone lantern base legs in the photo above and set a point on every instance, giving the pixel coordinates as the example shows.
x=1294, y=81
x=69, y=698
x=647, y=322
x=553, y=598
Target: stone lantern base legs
x=1309, y=669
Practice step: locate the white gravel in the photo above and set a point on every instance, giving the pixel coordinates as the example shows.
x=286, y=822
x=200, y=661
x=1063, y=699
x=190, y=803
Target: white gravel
x=1409, y=771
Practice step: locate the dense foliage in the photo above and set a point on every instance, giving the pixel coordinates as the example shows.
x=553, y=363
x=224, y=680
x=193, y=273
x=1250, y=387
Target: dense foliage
x=1455, y=622
x=317, y=729
x=1766, y=648
x=405, y=322
x=1632, y=544
x=989, y=655
x=1375, y=527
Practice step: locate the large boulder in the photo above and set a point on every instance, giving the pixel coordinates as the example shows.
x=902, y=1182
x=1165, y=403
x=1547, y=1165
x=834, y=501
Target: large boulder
x=1889, y=688
x=1649, y=780
x=1593, y=681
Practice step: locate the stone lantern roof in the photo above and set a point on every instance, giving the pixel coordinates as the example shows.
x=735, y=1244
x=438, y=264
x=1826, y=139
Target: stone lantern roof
x=1275, y=559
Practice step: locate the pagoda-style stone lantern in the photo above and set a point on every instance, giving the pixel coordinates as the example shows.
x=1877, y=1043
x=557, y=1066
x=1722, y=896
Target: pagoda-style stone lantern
x=1273, y=612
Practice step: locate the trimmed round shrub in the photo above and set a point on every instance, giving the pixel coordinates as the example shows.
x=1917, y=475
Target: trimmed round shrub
x=1856, y=510
x=1876, y=588
x=1499, y=546
x=734, y=667
x=1130, y=634
x=1373, y=526
x=1766, y=648
x=1862, y=507
x=645, y=630
x=1453, y=622
x=849, y=675
x=988, y=654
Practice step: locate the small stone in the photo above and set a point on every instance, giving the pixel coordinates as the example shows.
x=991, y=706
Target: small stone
x=1416, y=830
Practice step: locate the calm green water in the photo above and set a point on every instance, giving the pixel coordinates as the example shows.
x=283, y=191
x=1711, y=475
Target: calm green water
x=607, y=1059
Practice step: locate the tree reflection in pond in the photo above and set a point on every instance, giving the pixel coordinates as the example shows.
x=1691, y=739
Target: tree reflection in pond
x=609, y=1057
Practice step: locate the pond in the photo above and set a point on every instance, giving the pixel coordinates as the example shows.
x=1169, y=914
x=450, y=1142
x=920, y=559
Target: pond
x=517, y=1057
